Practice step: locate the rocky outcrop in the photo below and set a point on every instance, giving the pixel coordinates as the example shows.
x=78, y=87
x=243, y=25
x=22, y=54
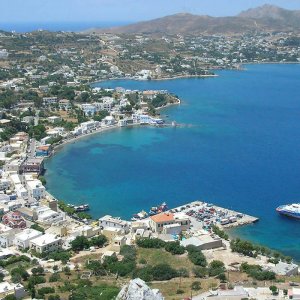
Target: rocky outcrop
x=137, y=289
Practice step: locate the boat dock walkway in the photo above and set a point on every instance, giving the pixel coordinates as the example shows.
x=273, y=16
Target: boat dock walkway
x=209, y=214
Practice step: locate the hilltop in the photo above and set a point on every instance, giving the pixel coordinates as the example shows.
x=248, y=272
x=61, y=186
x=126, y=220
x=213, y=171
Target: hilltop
x=264, y=18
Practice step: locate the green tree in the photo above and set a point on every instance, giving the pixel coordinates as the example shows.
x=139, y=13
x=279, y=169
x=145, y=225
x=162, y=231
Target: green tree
x=80, y=243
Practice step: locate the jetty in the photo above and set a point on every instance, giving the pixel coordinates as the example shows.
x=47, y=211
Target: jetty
x=207, y=214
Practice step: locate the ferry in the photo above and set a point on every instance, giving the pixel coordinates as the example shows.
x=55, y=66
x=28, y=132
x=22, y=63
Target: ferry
x=290, y=210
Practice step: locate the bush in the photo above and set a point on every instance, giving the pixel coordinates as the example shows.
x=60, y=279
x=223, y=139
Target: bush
x=19, y=271
x=200, y=272
x=46, y=290
x=144, y=273
x=196, y=256
x=38, y=228
x=60, y=255
x=216, y=268
x=174, y=248
x=129, y=252
x=222, y=234
x=150, y=243
x=38, y=270
x=196, y=286
x=179, y=292
x=163, y=272
x=54, y=277
x=143, y=261
x=183, y=272
x=256, y=272
x=54, y=297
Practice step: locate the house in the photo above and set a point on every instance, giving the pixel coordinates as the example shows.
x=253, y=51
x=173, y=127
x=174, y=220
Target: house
x=88, y=109
x=117, y=243
x=50, y=100
x=109, y=120
x=14, y=219
x=7, y=235
x=47, y=216
x=21, y=191
x=45, y=243
x=237, y=293
x=64, y=104
x=54, y=119
x=157, y=222
x=23, y=238
x=35, y=189
x=283, y=269
x=43, y=151
x=110, y=222
x=204, y=242
x=33, y=165
x=7, y=289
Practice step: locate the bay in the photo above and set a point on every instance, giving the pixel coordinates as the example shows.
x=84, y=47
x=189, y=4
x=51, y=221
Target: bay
x=240, y=149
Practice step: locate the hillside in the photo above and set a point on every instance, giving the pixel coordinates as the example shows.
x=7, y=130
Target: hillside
x=267, y=17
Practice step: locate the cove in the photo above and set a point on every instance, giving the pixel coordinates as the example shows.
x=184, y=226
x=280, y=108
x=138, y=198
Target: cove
x=241, y=151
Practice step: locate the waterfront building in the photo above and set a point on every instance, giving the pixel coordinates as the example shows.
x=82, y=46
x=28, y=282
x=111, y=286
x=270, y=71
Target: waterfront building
x=109, y=120
x=45, y=243
x=33, y=165
x=283, y=269
x=47, y=216
x=23, y=238
x=157, y=222
x=88, y=109
x=43, y=151
x=116, y=223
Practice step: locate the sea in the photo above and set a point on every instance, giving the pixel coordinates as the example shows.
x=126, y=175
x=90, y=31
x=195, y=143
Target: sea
x=237, y=146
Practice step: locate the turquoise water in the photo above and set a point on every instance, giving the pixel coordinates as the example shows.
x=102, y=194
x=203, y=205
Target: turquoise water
x=241, y=151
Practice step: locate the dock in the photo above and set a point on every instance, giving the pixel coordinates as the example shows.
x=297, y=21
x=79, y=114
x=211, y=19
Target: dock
x=207, y=214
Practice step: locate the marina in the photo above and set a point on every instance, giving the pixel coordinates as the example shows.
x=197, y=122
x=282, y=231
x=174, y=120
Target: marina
x=208, y=214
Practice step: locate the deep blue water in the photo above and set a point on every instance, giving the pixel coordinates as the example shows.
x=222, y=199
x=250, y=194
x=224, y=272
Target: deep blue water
x=241, y=152
x=54, y=26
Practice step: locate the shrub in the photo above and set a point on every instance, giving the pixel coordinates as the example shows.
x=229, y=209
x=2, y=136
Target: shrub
x=150, y=243
x=54, y=277
x=200, y=272
x=196, y=286
x=215, y=268
x=256, y=272
x=46, y=290
x=129, y=252
x=179, y=292
x=196, y=256
x=163, y=272
x=174, y=248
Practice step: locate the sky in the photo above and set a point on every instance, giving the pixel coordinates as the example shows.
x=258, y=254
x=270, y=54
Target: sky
x=22, y=11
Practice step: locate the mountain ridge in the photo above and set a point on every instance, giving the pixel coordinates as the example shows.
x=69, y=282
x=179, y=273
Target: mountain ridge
x=265, y=18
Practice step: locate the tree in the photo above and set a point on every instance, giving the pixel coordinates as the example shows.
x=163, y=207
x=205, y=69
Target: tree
x=20, y=271
x=38, y=270
x=215, y=268
x=196, y=256
x=37, y=227
x=274, y=290
x=80, y=243
x=162, y=272
x=99, y=240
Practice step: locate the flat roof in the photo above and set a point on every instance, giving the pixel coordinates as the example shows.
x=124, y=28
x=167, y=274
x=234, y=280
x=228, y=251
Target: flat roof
x=45, y=239
x=28, y=234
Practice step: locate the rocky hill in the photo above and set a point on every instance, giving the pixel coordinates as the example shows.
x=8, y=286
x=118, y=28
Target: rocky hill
x=267, y=18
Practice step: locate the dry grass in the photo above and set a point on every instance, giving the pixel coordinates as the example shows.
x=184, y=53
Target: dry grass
x=169, y=288
x=158, y=256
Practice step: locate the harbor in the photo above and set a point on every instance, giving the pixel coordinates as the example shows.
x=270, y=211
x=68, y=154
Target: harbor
x=202, y=215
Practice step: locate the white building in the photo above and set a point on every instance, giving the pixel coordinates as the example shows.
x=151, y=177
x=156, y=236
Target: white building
x=109, y=120
x=7, y=235
x=23, y=238
x=54, y=119
x=35, y=189
x=110, y=222
x=88, y=109
x=47, y=216
x=46, y=243
x=21, y=191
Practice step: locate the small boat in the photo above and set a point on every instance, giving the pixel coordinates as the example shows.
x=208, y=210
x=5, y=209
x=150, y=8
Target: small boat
x=83, y=207
x=139, y=216
x=158, y=209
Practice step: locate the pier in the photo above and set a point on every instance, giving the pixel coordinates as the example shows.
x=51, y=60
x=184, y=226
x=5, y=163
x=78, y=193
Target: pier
x=207, y=214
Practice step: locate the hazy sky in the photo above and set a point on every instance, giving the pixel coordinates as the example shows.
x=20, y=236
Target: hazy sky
x=122, y=10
